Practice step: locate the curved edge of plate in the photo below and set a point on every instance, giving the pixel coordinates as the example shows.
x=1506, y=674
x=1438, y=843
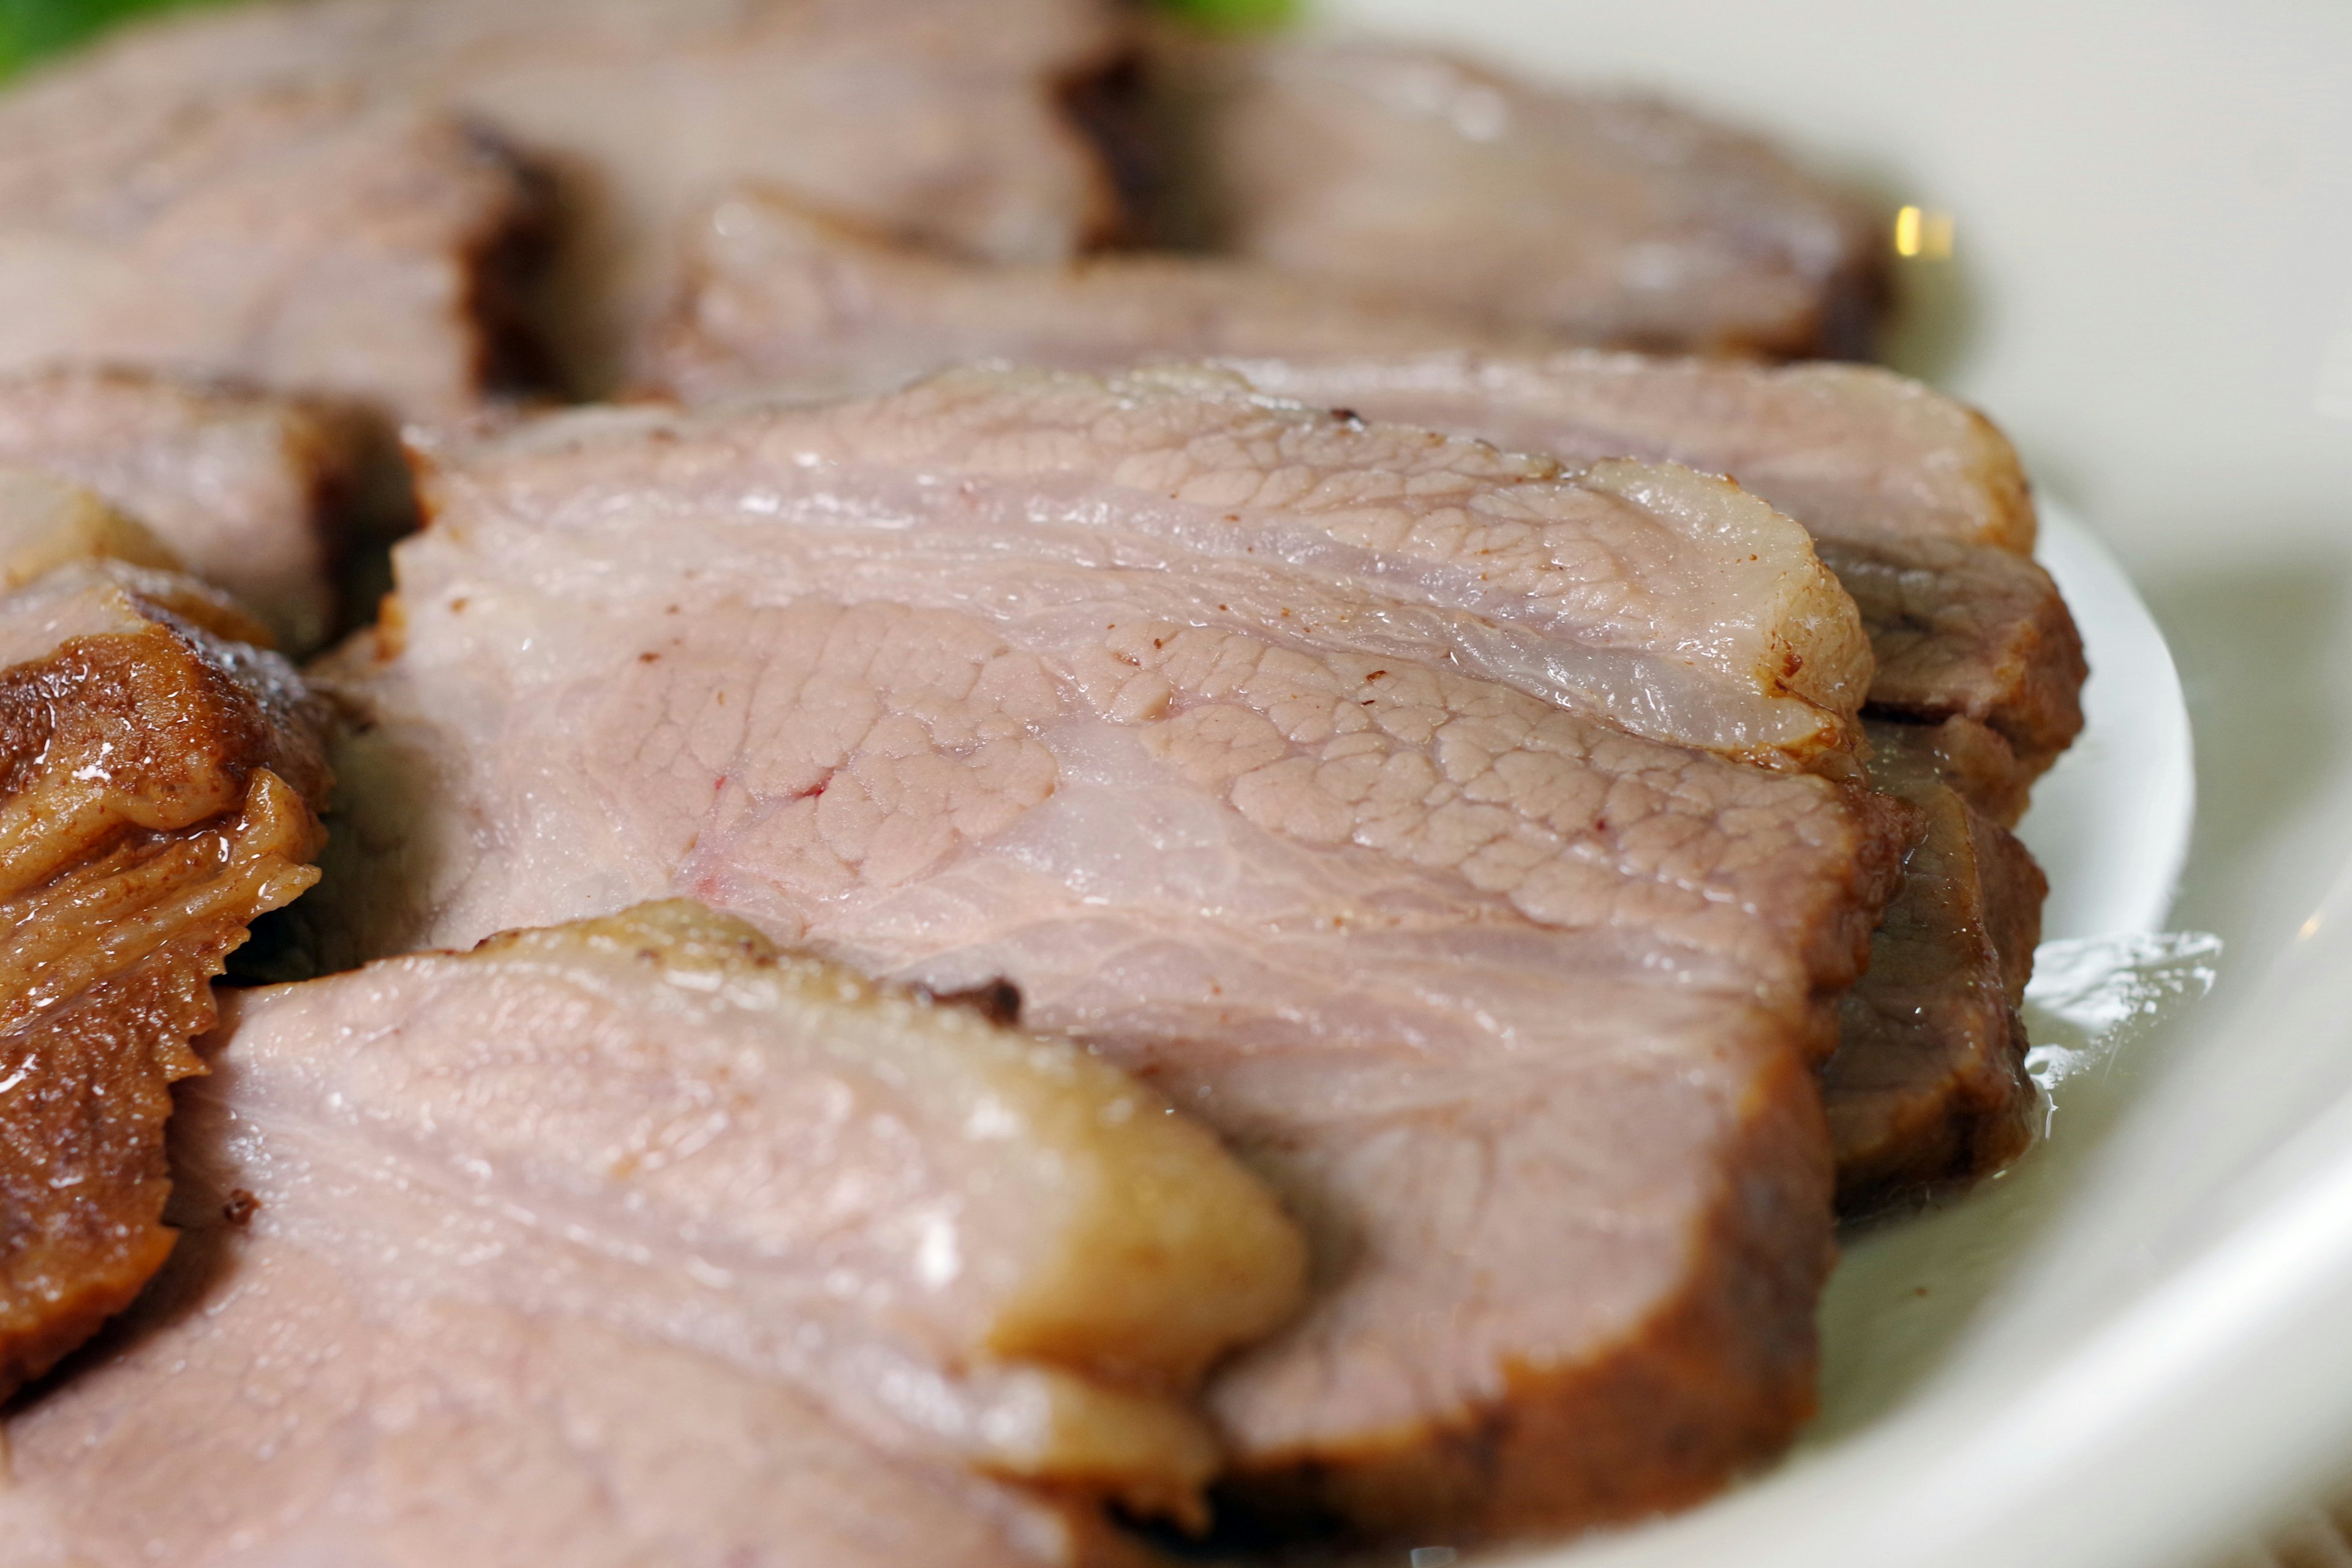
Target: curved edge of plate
x=2111, y=823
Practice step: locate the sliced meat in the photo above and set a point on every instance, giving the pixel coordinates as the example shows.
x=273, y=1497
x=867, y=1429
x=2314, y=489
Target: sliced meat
x=1515, y=1009
x=637, y=1241
x=1663, y=600
x=1928, y=1088
x=303, y=237
x=780, y=300
x=46, y=523
x=161, y=790
x=1614, y=220
x=1849, y=451
x=1965, y=632
x=941, y=121
x=1917, y=503
x=252, y=493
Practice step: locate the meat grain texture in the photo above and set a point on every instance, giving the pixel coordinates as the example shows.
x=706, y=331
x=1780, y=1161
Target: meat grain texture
x=1515, y=1009
x=947, y=123
x=162, y=789
x=1921, y=509
x=638, y=1241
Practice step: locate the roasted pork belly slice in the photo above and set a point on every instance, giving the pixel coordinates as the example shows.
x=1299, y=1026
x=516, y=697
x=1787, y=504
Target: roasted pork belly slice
x=1846, y=449
x=1968, y=637
x=1516, y=1009
x=636, y=1241
x=1621, y=221
x=1664, y=601
x=941, y=121
x=1917, y=503
x=1928, y=1088
x=1960, y=631
x=162, y=786
x=250, y=492
x=780, y=300
x=306, y=239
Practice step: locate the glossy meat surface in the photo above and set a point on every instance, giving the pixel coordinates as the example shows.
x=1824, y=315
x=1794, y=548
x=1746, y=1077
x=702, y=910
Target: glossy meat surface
x=609, y=1244
x=1915, y=502
x=1610, y=219
x=1663, y=600
x=1928, y=1088
x=1515, y=1008
x=248, y=490
x=1845, y=449
x=939, y=119
x=161, y=787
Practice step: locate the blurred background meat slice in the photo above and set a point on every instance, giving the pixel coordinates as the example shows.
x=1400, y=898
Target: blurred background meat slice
x=1608, y=219
x=162, y=787
x=946, y=122
x=780, y=301
x=305, y=237
x=579, y=1247
x=254, y=493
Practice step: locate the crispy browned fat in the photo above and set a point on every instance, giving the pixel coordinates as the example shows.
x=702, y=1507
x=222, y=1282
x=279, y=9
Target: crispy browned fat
x=159, y=788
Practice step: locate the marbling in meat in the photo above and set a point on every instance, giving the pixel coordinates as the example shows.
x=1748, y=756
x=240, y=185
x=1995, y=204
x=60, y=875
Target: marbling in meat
x=1516, y=1009
x=637, y=1241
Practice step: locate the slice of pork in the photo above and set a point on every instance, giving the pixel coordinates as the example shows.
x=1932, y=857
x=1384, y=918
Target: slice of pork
x=1515, y=1009
x=1851, y=451
x=1917, y=503
x=1961, y=631
x=250, y=492
x=1970, y=637
x=162, y=791
x=939, y=119
x=304, y=238
x=1611, y=219
x=1928, y=1089
x=637, y=1241
x=1663, y=600
x=778, y=299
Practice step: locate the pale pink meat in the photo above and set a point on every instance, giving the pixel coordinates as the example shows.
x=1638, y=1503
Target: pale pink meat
x=252, y=492
x=942, y=121
x=1602, y=216
x=1515, y=1007
x=1663, y=600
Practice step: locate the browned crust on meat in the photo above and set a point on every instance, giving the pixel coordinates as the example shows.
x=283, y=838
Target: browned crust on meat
x=2012, y=524
x=1966, y=631
x=162, y=791
x=1715, y=1384
x=1928, y=1089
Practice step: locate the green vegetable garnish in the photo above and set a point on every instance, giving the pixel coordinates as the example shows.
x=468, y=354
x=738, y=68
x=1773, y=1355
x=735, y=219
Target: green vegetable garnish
x=32, y=28
x=1235, y=14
